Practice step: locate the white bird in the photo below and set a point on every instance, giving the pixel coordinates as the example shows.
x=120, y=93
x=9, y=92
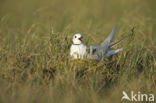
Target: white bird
x=97, y=52
x=78, y=49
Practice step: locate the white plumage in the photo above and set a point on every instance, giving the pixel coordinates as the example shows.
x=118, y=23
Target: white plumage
x=97, y=52
x=78, y=49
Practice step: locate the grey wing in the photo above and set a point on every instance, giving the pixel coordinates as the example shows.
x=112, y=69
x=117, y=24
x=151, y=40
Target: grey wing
x=114, y=43
x=98, y=50
x=94, y=52
x=111, y=52
x=105, y=44
x=93, y=49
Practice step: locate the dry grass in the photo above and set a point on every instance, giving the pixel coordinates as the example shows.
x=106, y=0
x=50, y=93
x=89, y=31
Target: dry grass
x=35, y=37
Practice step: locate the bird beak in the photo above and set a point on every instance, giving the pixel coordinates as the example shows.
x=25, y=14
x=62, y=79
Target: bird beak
x=80, y=39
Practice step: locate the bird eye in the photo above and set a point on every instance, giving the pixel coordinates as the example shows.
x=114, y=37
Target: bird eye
x=75, y=36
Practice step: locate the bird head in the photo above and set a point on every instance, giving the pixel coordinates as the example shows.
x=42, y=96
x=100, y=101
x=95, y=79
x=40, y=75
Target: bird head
x=77, y=39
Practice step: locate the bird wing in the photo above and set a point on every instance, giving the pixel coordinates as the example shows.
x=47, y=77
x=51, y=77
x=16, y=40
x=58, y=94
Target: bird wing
x=93, y=49
x=105, y=44
x=114, y=43
x=103, y=48
x=111, y=52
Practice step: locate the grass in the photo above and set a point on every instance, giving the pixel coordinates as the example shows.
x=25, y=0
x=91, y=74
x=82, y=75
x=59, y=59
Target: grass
x=35, y=37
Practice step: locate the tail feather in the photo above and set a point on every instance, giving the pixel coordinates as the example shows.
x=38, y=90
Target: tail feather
x=111, y=52
x=114, y=43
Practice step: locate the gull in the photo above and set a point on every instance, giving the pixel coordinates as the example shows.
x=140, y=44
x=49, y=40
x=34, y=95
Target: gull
x=97, y=52
x=78, y=48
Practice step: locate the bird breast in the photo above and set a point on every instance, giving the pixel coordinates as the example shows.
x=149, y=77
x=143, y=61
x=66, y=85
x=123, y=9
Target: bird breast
x=78, y=51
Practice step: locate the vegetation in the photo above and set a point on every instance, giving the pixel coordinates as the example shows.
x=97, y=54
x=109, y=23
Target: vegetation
x=35, y=37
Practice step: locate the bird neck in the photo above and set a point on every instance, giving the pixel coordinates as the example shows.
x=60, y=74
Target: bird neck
x=77, y=44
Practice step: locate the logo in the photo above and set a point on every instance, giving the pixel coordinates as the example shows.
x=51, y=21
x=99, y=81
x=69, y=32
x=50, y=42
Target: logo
x=137, y=97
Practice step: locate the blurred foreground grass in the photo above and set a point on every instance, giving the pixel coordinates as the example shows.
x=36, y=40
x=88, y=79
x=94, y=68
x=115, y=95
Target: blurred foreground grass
x=35, y=37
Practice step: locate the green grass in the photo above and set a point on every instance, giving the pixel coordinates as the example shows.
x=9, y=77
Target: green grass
x=35, y=37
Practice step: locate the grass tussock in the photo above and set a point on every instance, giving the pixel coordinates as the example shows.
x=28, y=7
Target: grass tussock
x=35, y=37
